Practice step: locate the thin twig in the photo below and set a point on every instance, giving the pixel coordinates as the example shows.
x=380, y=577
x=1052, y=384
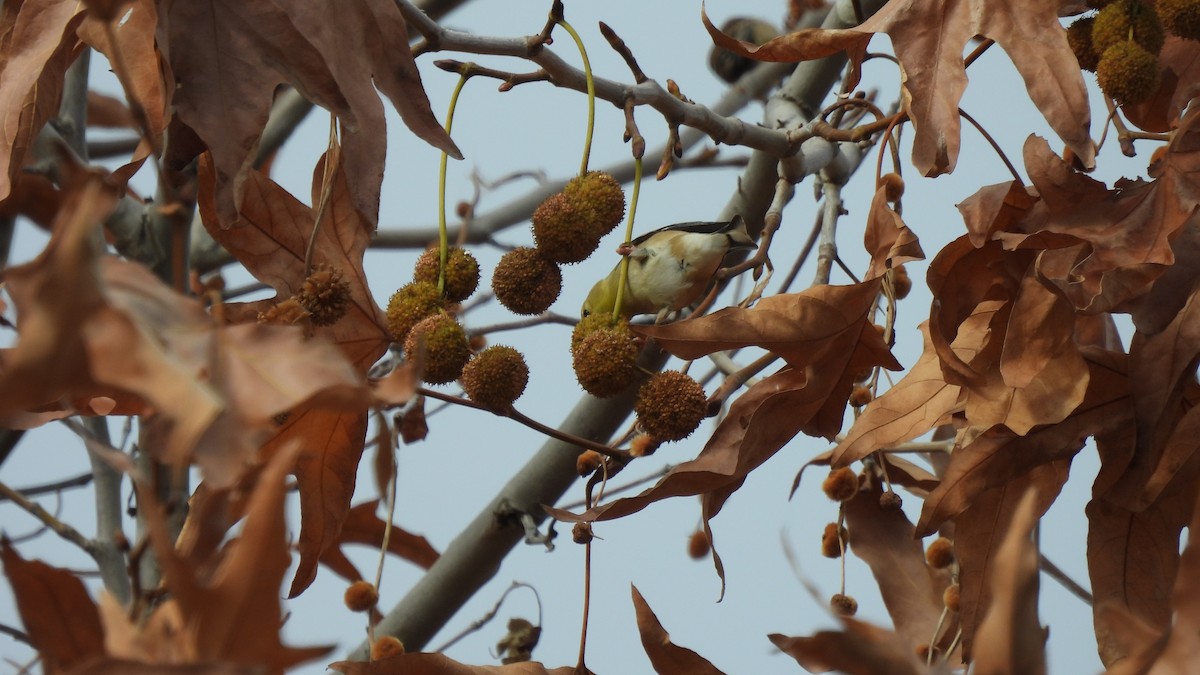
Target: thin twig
x=1056, y=573
x=624, y=488
x=491, y=614
x=57, y=486
x=59, y=527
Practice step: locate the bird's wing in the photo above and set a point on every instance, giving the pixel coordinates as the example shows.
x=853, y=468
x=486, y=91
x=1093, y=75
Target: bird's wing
x=701, y=227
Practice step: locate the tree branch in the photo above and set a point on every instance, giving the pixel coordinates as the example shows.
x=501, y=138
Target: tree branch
x=59, y=527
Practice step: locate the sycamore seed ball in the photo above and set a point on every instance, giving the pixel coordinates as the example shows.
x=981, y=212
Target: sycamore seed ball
x=561, y=230
x=831, y=545
x=1181, y=17
x=325, y=294
x=940, y=553
x=525, y=282
x=670, y=406
x=605, y=362
x=843, y=605
x=442, y=342
x=841, y=484
x=698, y=545
x=462, y=272
x=408, y=305
x=1114, y=23
x=593, y=322
x=599, y=200
x=361, y=596
x=1079, y=38
x=1128, y=73
x=385, y=647
x=496, y=377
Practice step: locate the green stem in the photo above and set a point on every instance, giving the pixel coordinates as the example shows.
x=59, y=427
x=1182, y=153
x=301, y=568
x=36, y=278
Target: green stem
x=633, y=202
x=591, y=91
x=443, y=236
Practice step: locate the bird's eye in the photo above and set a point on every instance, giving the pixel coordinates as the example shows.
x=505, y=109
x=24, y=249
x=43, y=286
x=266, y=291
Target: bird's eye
x=586, y=313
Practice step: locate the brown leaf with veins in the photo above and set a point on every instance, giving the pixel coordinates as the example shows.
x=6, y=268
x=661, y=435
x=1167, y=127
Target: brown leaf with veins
x=226, y=51
x=37, y=44
x=859, y=649
x=887, y=238
x=666, y=657
x=929, y=38
x=1010, y=638
x=911, y=590
x=58, y=614
x=364, y=526
x=440, y=664
x=980, y=529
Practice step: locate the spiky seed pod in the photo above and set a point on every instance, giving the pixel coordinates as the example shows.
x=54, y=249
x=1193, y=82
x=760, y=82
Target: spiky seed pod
x=670, y=406
x=1114, y=23
x=525, y=282
x=361, y=596
x=593, y=322
x=901, y=282
x=893, y=186
x=698, y=545
x=843, y=605
x=561, y=231
x=951, y=597
x=1128, y=73
x=581, y=533
x=386, y=646
x=890, y=501
x=325, y=294
x=287, y=313
x=831, y=546
x=1079, y=38
x=462, y=272
x=940, y=553
x=841, y=484
x=445, y=348
x=605, y=362
x=729, y=66
x=495, y=377
x=587, y=462
x=1181, y=17
x=599, y=200
x=643, y=445
x=411, y=303
x=861, y=396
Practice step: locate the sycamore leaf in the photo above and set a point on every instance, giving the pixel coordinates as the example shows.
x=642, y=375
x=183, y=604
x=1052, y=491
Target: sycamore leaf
x=911, y=589
x=60, y=618
x=1010, y=638
x=440, y=664
x=979, y=531
x=363, y=526
x=859, y=649
x=887, y=238
x=37, y=46
x=667, y=657
x=929, y=38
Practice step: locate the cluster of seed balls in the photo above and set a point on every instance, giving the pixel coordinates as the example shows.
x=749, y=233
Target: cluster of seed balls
x=567, y=228
x=420, y=316
x=1121, y=42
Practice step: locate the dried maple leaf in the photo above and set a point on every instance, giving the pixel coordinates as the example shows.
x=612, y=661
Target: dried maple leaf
x=928, y=38
x=911, y=590
x=1010, y=638
x=37, y=44
x=58, y=615
x=979, y=531
x=859, y=649
x=363, y=526
x=666, y=657
x=334, y=53
x=440, y=664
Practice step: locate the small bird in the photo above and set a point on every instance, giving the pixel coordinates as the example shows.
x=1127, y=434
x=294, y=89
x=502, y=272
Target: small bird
x=669, y=268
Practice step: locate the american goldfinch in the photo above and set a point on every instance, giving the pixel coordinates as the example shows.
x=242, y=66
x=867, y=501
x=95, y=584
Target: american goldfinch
x=669, y=268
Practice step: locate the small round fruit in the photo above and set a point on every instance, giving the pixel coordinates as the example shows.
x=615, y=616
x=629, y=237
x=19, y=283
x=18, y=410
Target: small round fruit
x=901, y=282
x=385, y=647
x=1181, y=17
x=831, y=544
x=890, y=501
x=605, y=362
x=325, y=294
x=1120, y=20
x=443, y=344
x=841, y=484
x=525, y=282
x=581, y=533
x=1128, y=73
x=496, y=377
x=940, y=553
x=587, y=462
x=593, y=322
x=698, y=545
x=951, y=597
x=893, y=186
x=843, y=605
x=599, y=200
x=462, y=272
x=1079, y=38
x=561, y=231
x=409, y=305
x=643, y=445
x=861, y=396
x=670, y=406
x=361, y=596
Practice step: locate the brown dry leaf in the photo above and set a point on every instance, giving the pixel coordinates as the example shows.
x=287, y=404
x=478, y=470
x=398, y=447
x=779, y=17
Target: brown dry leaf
x=334, y=53
x=34, y=197
x=58, y=614
x=107, y=112
x=666, y=657
x=363, y=526
x=1010, y=638
x=929, y=38
x=979, y=531
x=1179, y=61
x=859, y=649
x=122, y=667
x=234, y=615
x=887, y=238
x=1133, y=558
x=911, y=590
x=440, y=664
x=914, y=405
x=38, y=43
